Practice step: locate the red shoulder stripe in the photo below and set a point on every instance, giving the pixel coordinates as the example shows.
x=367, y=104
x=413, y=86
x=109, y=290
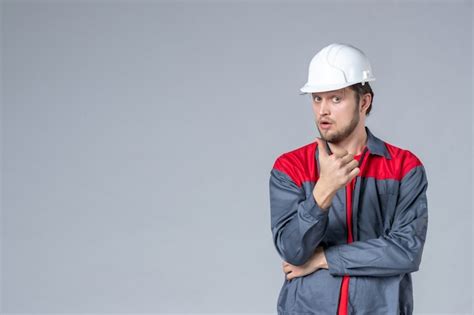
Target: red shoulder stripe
x=299, y=164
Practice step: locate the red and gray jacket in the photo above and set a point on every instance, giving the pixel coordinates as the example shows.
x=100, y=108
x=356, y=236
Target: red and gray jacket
x=373, y=233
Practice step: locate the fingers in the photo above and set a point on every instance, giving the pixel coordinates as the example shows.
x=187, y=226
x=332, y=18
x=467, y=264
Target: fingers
x=353, y=173
x=287, y=270
x=351, y=165
x=289, y=273
x=339, y=152
x=347, y=158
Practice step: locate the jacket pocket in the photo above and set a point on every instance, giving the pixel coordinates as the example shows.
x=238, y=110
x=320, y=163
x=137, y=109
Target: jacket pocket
x=375, y=216
x=388, y=202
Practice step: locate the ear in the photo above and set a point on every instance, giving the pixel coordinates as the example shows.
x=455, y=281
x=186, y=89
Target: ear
x=365, y=101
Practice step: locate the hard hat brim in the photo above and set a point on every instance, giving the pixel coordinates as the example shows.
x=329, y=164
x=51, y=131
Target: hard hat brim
x=307, y=88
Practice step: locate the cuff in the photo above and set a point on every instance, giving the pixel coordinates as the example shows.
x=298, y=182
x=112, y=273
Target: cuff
x=312, y=209
x=335, y=264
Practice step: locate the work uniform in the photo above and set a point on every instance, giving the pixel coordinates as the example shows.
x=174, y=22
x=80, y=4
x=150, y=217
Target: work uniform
x=373, y=233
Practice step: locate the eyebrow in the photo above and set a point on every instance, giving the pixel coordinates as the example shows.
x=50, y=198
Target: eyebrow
x=334, y=94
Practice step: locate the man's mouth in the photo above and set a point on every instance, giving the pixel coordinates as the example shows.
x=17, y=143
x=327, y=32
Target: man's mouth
x=325, y=125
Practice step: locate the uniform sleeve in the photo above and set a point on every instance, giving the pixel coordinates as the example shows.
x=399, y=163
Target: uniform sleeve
x=298, y=224
x=396, y=252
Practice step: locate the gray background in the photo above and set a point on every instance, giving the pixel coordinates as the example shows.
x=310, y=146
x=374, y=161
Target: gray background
x=138, y=139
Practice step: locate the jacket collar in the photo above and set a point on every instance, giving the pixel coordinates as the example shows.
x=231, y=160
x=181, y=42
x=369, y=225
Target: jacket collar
x=376, y=145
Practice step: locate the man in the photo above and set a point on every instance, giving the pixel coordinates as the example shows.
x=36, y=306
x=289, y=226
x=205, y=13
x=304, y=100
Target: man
x=349, y=211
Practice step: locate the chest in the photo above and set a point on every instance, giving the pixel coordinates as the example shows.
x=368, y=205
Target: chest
x=365, y=207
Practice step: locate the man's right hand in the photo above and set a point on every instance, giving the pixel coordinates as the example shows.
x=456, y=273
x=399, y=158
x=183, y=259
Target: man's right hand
x=335, y=171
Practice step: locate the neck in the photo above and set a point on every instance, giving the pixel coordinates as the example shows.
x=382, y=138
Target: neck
x=353, y=144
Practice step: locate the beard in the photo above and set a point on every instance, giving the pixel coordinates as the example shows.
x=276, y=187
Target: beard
x=340, y=135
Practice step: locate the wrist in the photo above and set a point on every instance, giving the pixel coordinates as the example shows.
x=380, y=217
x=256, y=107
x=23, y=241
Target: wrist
x=319, y=261
x=324, y=263
x=322, y=196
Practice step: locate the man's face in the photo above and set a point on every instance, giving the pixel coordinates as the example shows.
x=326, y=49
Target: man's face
x=336, y=113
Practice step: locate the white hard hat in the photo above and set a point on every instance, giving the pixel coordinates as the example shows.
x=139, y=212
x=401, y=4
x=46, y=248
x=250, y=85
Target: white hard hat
x=337, y=66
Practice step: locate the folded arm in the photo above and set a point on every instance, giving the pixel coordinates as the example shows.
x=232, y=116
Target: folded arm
x=394, y=253
x=298, y=224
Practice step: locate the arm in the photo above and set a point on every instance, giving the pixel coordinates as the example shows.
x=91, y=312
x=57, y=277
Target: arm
x=298, y=224
x=401, y=249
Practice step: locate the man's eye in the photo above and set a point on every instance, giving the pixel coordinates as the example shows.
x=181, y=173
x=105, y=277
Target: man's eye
x=336, y=99
x=317, y=98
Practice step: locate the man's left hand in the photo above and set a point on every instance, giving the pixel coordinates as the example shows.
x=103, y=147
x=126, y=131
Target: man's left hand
x=316, y=261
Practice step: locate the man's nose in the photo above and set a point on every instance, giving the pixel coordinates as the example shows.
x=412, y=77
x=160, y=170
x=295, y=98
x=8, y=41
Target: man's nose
x=324, y=107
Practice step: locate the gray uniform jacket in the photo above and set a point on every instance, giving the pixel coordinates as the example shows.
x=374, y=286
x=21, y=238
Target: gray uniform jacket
x=389, y=212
